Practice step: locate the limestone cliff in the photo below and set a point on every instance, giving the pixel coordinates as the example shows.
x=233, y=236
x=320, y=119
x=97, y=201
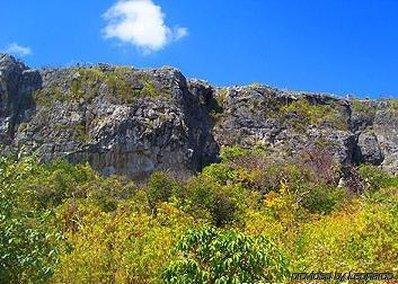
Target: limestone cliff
x=131, y=121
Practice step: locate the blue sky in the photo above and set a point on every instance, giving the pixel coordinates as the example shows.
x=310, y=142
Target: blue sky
x=339, y=46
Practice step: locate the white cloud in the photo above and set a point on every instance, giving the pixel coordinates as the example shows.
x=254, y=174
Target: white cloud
x=180, y=33
x=18, y=50
x=140, y=23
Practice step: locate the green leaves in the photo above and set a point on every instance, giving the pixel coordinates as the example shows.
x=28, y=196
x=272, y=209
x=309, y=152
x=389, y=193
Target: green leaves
x=322, y=199
x=375, y=178
x=64, y=223
x=160, y=188
x=206, y=199
x=210, y=255
x=27, y=250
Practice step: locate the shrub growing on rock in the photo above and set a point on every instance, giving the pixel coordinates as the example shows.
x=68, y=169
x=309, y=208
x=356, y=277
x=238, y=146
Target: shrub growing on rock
x=373, y=177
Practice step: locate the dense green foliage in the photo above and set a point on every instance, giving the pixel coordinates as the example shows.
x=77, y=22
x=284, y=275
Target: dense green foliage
x=27, y=250
x=215, y=256
x=247, y=218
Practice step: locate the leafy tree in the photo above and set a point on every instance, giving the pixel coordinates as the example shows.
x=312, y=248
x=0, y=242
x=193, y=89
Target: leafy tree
x=27, y=254
x=213, y=256
x=110, y=236
x=160, y=189
x=206, y=199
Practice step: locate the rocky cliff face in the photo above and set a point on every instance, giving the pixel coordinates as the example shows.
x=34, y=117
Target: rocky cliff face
x=129, y=121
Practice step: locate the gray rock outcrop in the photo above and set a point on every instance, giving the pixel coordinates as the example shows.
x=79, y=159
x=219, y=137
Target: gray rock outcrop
x=132, y=121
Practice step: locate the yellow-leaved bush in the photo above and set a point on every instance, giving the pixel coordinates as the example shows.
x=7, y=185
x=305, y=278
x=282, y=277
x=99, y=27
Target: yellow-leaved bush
x=123, y=246
x=93, y=229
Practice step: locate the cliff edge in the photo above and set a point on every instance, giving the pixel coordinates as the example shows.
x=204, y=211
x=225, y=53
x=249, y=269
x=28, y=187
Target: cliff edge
x=132, y=122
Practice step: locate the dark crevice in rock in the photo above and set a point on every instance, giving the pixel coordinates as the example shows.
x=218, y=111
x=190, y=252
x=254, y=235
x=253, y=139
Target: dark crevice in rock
x=198, y=104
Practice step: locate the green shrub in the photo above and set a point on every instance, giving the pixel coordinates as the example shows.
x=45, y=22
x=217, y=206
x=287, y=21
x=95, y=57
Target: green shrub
x=27, y=250
x=374, y=177
x=220, y=173
x=212, y=256
x=50, y=184
x=301, y=113
x=229, y=153
x=393, y=106
x=206, y=199
x=364, y=108
x=108, y=192
x=322, y=199
x=160, y=188
x=87, y=83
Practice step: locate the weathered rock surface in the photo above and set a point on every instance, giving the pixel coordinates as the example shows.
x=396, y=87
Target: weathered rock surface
x=17, y=82
x=368, y=149
x=129, y=121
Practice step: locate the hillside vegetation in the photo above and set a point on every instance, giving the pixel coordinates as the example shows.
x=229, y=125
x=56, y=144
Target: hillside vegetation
x=128, y=175
x=246, y=219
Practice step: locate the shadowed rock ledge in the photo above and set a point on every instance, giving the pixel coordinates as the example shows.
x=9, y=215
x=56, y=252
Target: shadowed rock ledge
x=132, y=121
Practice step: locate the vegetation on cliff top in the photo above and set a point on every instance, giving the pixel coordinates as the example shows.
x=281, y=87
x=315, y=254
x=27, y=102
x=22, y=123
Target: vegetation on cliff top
x=245, y=219
x=86, y=83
